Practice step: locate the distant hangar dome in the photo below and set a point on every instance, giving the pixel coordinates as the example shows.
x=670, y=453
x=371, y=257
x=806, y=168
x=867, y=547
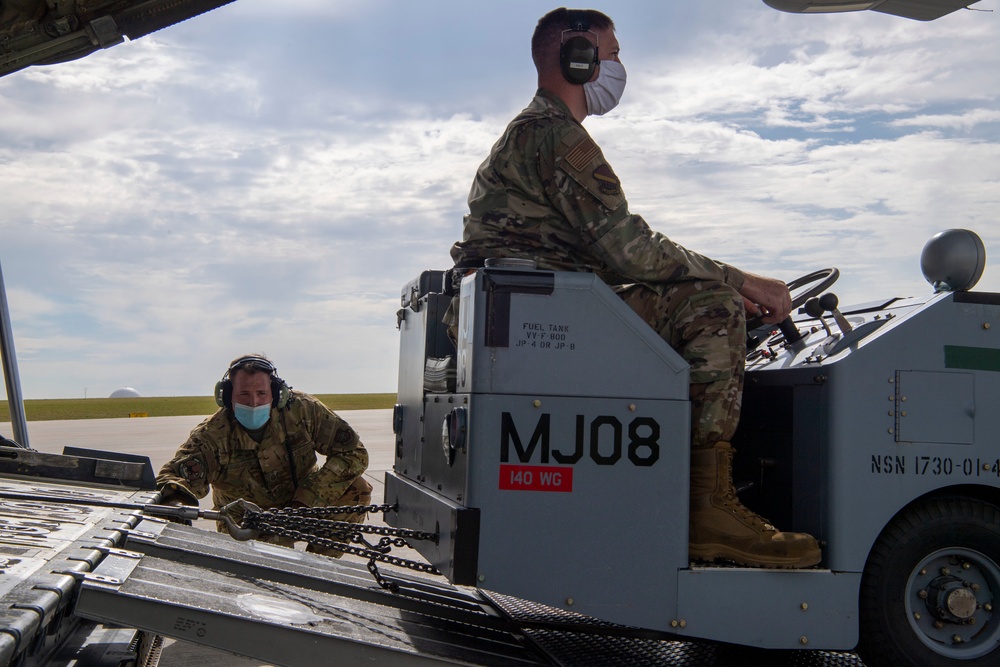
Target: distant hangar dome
x=125, y=392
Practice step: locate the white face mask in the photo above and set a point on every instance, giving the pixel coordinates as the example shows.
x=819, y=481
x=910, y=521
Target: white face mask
x=604, y=92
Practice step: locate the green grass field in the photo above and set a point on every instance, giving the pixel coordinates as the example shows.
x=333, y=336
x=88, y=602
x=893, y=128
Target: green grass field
x=103, y=408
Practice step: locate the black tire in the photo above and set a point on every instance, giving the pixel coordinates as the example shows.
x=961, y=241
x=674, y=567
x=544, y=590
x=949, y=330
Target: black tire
x=929, y=587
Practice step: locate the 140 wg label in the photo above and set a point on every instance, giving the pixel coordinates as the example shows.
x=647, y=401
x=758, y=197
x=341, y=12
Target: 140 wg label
x=536, y=478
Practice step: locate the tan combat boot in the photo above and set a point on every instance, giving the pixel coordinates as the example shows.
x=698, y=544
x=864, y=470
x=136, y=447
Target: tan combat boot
x=722, y=528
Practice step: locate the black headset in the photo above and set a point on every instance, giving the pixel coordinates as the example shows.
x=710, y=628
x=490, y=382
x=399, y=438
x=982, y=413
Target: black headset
x=578, y=56
x=281, y=393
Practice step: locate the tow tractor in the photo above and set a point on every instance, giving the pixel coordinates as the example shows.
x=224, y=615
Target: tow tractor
x=548, y=449
x=541, y=470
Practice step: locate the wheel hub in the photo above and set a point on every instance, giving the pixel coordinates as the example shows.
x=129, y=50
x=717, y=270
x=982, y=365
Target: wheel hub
x=949, y=599
x=962, y=603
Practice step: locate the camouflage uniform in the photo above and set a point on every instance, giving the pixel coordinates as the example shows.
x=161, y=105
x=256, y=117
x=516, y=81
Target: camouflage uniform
x=546, y=193
x=220, y=453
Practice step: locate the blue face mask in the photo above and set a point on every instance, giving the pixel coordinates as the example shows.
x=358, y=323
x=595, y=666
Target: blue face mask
x=252, y=418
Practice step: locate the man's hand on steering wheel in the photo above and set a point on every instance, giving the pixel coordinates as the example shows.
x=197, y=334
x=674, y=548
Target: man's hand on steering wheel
x=766, y=298
x=802, y=289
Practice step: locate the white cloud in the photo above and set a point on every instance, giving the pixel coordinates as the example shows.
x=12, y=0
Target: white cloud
x=248, y=182
x=963, y=121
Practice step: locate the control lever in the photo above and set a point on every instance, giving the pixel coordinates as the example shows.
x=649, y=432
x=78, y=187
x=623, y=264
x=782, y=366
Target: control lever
x=828, y=303
x=813, y=309
x=790, y=331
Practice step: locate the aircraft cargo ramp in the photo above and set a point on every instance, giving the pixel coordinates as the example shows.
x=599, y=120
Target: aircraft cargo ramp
x=299, y=609
x=99, y=585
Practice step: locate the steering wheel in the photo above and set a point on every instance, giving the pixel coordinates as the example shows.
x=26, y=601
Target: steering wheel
x=811, y=284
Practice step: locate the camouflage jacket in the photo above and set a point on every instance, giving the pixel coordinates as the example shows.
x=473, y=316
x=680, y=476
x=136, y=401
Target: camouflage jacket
x=546, y=193
x=219, y=453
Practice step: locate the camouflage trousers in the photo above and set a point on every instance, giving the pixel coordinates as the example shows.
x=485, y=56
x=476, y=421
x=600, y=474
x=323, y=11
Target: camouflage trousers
x=358, y=493
x=705, y=322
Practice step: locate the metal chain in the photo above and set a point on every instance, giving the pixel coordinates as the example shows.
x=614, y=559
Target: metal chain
x=315, y=516
x=309, y=525
x=336, y=509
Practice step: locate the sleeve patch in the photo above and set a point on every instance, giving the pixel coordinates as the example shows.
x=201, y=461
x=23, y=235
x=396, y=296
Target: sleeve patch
x=607, y=181
x=582, y=153
x=192, y=469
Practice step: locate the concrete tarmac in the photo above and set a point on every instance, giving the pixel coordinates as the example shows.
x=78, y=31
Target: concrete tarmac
x=158, y=438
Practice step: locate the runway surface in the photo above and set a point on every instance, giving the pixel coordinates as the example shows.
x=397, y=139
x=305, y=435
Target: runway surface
x=159, y=437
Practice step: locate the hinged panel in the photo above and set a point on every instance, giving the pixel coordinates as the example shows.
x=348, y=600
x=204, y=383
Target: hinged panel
x=937, y=407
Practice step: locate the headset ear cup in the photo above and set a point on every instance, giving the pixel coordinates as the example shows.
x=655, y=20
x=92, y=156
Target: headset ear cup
x=223, y=387
x=281, y=393
x=578, y=59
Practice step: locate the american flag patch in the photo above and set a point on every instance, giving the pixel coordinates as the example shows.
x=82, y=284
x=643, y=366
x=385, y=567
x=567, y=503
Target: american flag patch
x=581, y=155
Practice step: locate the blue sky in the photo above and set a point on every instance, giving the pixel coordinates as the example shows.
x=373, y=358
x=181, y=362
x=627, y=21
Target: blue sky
x=266, y=177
